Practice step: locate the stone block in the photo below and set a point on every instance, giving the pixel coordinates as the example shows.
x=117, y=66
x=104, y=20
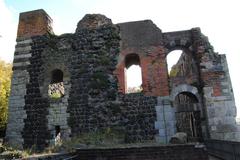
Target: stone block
x=159, y=109
x=230, y=136
x=160, y=117
x=162, y=132
x=159, y=124
x=216, y=135
x=28, y=55
x=26, y=41
x=25, y=49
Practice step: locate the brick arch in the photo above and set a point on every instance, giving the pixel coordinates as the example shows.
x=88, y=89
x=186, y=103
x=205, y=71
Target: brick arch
x=178, y=39
x=46, y=75
x=132, y=59
x=187, y=50
x=184, y=88
x=189, y=63
x=178, y=44
x=56, y=76
x=181, y=40
x=122, y=65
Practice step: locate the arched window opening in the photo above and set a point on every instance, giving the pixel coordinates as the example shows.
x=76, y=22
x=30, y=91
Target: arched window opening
x=181, y=64
x=57, y=76
x=133, y=74
x=56, y=86
x=173, y=62
x=188, y=116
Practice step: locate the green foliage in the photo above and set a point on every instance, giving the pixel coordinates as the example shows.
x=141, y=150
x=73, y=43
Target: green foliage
x=11, y=153
x=5, y=82
x=174, y=71
x=106, y=137
x=55, y=95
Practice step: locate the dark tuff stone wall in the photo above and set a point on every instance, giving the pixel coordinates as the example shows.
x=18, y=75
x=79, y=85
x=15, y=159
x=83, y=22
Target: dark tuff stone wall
x=94, y=102
x=138, y=115
x=88, y=59
x=35, y=132
x=93, y=85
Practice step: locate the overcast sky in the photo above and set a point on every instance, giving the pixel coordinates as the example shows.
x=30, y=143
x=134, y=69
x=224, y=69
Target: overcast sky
x=218, y=19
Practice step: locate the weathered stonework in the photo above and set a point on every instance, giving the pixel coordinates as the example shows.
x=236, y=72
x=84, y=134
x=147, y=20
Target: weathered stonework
x=166, y=122
x=20, y=78
x=89, y=66
x=34, y=24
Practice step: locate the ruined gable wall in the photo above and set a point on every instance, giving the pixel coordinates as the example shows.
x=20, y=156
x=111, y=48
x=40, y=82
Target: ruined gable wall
x=93, y=61
x=217, y=91
x=144, y=38
x=186, y=70
x=25, y=94
x=214, y=85
x=91, y=101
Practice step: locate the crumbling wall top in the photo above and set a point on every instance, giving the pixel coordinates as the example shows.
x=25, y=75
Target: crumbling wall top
x=34, y=23
x=93, y=21
x=139, y=34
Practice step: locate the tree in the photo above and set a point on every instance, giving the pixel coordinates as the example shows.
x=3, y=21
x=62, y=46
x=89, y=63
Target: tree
x=5, y=82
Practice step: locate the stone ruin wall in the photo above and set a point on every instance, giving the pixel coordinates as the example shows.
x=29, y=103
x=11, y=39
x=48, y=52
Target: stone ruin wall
x=212, y=80
x=92, y=61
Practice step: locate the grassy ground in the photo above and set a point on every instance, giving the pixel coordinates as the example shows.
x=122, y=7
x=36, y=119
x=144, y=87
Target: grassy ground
x=109, y=138
x=10, y=153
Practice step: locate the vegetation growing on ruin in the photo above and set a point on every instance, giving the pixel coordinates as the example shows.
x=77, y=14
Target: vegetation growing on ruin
x=5, y=81
x=7, y=152
x=174, y=71
x=55, y=95
x=108, y=137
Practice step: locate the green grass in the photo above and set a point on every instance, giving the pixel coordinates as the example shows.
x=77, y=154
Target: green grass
x=104, y=138
x=7, y=152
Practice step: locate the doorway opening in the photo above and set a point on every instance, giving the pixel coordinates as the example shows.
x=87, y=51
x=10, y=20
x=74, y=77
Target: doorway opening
x=188, y=116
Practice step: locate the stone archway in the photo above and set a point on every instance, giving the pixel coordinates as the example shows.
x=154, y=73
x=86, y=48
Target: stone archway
x=186, y=102
x=184, y=88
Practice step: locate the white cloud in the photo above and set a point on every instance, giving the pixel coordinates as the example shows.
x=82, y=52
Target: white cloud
x=8, y=29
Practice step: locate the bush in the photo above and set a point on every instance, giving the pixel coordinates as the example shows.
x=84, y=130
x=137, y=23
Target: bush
x=5, y=82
